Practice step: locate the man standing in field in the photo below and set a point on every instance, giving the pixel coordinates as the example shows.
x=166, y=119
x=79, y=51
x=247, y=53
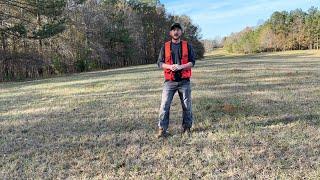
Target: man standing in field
x=176, y=59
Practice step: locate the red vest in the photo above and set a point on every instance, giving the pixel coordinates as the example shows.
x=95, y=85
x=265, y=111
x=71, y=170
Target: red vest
x=185, y=73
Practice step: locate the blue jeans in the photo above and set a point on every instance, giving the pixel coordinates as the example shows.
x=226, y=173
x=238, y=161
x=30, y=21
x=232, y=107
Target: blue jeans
x=184, y=90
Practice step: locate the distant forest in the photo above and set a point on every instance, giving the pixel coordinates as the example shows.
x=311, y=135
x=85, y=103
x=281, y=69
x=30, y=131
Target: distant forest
x=43, y=38
x=294, y=30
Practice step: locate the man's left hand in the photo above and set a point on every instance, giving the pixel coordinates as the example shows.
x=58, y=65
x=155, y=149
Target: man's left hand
x=179, y=67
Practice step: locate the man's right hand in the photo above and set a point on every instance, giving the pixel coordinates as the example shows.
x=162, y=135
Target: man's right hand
x=174, y=67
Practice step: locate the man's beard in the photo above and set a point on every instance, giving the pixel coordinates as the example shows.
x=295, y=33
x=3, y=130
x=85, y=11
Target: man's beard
x=175, y=38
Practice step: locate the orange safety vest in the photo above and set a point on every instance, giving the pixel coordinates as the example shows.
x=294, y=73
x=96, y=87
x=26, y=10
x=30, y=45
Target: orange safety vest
x=185, y=73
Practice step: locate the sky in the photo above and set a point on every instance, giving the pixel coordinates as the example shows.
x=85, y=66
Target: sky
x=218, y=18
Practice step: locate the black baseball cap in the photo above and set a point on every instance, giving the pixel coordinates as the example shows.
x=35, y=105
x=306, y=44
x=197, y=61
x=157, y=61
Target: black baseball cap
x=175, y=25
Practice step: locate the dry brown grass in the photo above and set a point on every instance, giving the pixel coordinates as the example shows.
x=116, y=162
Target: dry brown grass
x=222, y=53
x=255, y=117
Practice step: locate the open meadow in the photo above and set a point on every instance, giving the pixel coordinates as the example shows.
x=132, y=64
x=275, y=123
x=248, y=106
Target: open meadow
x=255, y=116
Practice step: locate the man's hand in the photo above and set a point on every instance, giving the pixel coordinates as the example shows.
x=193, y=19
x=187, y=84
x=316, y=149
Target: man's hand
x=179, y=67
x=173, y=67
x=176, y=67
x=189, y=65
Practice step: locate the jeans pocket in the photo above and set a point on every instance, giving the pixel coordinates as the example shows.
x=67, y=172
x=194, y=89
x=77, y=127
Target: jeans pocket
x=186, y=82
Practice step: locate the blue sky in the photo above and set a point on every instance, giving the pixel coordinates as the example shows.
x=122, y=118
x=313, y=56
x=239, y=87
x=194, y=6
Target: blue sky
x=220, y=18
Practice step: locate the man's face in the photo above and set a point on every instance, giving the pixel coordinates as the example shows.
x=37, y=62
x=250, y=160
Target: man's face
x=176, y=33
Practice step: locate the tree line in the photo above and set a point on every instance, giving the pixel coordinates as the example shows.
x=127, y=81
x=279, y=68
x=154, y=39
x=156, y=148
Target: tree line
x=211, y=44
x=293, y=30
x=42, y=38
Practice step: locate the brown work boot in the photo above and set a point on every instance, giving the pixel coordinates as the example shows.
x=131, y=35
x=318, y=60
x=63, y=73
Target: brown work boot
x=186, y=130
x=162, y=133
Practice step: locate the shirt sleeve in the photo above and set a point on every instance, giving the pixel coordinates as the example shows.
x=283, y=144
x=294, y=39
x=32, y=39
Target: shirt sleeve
x=161, y=58
x=191, y=54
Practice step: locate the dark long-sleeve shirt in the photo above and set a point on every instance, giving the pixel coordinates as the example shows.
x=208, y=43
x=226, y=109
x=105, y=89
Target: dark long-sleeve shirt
x=176, y=54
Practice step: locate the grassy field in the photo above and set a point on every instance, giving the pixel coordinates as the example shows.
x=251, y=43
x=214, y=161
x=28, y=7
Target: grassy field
x=255, y=116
